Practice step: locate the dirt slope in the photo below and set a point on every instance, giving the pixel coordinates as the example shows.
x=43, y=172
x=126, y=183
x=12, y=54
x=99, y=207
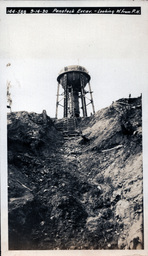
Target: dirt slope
x=82, y=192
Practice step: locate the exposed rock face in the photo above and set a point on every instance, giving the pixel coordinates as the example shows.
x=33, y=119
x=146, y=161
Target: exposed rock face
x=84, y=192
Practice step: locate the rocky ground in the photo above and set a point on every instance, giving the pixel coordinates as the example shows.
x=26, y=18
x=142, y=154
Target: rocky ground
x=80, y=192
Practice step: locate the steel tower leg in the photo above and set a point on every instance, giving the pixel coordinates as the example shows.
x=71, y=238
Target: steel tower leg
x=83, y=98
x=92, y=102
x=65, y=102
x=71, y=103
x=57, y=102
x=65, y=96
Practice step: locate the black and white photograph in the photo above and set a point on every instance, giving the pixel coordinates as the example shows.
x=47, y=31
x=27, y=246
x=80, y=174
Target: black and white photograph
x=73, y=127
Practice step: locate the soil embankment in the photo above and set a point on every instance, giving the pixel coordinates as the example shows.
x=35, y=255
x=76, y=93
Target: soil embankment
x=82, y=192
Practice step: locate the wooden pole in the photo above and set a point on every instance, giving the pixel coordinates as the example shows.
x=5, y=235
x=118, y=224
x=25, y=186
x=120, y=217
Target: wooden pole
x=90, y=91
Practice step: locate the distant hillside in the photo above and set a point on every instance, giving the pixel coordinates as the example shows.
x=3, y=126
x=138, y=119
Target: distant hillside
x=76, y=192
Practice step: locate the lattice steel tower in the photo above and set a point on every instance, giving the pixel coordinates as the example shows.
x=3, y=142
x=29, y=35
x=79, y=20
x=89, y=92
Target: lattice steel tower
x=73, y=80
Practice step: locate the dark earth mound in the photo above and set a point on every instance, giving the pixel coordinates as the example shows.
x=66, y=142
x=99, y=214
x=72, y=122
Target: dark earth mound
x=80, y=192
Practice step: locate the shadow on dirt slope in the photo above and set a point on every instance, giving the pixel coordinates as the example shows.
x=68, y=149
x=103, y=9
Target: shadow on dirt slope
x=82, y=192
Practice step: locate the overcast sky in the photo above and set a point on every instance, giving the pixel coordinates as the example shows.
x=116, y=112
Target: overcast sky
x=113, y=48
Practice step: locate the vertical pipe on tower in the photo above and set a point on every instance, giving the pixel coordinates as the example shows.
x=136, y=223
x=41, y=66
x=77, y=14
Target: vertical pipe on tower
x=76, y=104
